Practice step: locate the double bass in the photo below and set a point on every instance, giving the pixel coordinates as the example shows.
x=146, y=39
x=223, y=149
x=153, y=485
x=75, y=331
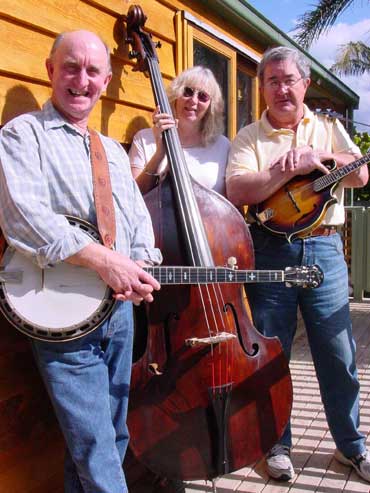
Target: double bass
x=209, y=394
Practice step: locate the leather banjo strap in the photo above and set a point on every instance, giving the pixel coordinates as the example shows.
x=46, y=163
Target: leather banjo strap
x=102, y=191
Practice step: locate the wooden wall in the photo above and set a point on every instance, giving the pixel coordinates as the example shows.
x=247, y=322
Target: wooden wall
x=28, y=28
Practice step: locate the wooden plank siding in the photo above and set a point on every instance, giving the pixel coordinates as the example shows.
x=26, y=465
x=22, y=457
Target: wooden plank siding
x=27, y=32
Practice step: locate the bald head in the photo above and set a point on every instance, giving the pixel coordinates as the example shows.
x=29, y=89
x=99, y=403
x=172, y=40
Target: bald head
x=70, y=35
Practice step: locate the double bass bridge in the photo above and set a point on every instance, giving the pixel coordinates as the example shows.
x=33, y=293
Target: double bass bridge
x=211, y=340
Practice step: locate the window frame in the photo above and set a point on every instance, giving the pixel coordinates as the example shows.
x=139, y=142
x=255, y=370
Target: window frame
x=188, y=32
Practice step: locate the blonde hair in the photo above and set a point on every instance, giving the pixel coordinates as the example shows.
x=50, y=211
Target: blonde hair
x=199, y=77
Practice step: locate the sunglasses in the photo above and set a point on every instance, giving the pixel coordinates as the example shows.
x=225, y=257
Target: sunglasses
x=189, y=92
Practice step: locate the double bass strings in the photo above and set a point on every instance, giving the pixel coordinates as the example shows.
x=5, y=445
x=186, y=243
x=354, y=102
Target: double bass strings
x=193, y=229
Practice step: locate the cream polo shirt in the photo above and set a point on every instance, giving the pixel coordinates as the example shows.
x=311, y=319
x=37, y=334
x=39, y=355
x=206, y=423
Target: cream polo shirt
x=258, y=145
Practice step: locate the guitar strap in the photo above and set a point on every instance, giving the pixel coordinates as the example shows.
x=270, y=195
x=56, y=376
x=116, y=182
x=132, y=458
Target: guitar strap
x=103, y=195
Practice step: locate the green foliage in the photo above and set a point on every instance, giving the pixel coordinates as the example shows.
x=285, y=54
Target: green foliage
x=362, y=139
x=319, y=20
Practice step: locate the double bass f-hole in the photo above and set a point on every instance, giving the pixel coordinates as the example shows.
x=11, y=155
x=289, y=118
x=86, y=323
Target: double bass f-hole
x=205, y=414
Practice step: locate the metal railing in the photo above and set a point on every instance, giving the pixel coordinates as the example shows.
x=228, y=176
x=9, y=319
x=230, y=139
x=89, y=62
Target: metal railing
x=356, y=240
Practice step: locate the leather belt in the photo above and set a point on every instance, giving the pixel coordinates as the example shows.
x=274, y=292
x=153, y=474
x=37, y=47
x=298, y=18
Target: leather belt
x=323, y=231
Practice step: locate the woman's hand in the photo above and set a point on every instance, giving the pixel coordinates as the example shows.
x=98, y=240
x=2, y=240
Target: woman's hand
x=161, y=122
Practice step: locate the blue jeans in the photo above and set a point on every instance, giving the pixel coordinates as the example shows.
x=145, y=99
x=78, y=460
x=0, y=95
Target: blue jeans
x=88, y=382
x=325, y=311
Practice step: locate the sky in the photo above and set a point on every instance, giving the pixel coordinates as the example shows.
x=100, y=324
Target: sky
x=352, y=25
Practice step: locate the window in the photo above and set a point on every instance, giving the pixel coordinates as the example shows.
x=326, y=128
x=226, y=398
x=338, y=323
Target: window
x=218, y=63
x=235, y=73
x=206, y=50
x=244, y=99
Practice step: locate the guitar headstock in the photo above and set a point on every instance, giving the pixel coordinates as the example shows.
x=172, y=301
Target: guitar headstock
x=305, y=276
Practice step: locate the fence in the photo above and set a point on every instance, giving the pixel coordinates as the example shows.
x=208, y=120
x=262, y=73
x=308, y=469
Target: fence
x=356, y=240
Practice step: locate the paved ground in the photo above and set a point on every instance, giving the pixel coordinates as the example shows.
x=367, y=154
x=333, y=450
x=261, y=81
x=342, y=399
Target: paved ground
x=312, y=453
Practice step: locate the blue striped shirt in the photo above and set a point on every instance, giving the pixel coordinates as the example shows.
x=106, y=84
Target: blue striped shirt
x=45, y=174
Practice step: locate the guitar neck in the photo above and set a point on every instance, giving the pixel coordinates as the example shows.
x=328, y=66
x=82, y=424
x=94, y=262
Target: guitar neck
x=340, y=173
x=209, y=275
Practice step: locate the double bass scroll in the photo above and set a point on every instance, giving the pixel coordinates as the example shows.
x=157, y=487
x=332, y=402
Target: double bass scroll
x=203, y=410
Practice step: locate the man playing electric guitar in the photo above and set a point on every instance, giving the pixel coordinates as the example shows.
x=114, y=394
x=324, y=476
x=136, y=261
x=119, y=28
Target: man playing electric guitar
x=289, y=141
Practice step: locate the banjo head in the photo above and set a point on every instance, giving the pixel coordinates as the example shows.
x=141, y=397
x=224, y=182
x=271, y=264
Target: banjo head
x=59, y=303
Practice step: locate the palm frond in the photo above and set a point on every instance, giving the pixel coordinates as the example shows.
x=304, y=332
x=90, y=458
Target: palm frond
x=352, y=59
x=311, y=24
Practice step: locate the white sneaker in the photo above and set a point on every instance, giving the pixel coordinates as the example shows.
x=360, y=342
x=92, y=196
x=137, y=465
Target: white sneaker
x=361, y=463
x=279, y=465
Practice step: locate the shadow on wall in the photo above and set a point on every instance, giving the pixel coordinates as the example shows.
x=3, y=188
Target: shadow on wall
x=118, y=58
x=134, y=126
x=18, y=100
x=120, y=55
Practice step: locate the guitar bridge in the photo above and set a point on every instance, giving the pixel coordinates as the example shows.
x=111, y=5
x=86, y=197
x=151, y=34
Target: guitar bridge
x=265, y=215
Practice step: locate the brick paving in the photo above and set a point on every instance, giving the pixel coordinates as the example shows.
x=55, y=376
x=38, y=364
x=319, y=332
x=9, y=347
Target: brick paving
x=312, y=452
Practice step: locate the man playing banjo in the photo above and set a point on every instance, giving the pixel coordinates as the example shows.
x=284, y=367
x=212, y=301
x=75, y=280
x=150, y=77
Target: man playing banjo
x=46, y=174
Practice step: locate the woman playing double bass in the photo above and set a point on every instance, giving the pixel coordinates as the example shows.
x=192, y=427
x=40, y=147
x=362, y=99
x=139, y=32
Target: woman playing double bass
x=198, y=107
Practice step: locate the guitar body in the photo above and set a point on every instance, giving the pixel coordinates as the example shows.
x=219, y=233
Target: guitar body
x=296, y=208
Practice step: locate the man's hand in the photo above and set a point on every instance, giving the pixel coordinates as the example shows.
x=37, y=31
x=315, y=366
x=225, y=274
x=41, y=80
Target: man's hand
x=126, y=277
x=302, y=161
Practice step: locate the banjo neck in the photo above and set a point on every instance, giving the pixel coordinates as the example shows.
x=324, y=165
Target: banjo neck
x=178, y=275
x=175, y=275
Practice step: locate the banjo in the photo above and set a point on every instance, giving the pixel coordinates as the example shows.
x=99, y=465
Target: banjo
x=65, y=301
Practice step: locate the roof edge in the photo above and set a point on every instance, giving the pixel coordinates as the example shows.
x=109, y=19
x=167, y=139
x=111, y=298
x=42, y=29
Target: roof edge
x=246, y=17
